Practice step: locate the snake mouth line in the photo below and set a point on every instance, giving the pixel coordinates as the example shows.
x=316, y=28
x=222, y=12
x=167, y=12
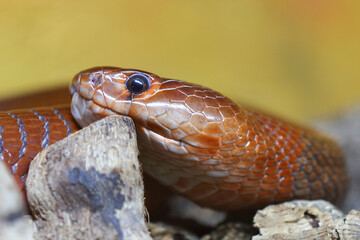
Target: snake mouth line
x=86, y=111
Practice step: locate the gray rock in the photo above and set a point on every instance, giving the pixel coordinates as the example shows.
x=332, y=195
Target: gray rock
x=231, y=231
x=345, y=128
x=162, y=231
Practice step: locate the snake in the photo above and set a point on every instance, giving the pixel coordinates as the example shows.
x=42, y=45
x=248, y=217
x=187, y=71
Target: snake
x=199, y=143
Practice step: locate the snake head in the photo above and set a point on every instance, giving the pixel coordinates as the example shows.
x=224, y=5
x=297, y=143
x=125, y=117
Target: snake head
x=173, y=110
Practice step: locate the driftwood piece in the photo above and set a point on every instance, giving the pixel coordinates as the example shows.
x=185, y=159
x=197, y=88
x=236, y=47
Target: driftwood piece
x=89, y=185
x=306, y=220
x=13, y=224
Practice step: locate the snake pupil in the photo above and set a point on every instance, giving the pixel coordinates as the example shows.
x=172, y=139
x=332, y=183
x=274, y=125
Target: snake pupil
x=137, y=83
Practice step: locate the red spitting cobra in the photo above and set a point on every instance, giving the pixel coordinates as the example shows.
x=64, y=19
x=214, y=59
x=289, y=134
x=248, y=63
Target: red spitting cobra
x=191, y=138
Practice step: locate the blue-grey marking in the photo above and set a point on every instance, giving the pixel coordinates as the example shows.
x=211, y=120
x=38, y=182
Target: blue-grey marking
x=22, y=139
x=66, y=123
x=1, y=142
x=46, y=140
x=14, y=216
x=93, y=183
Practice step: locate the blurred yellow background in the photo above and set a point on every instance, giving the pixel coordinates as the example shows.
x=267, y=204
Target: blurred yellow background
x=299, y=59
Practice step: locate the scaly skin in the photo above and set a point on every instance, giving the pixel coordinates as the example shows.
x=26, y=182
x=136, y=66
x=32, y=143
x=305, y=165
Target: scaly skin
x=211, y=150
x=24, y=133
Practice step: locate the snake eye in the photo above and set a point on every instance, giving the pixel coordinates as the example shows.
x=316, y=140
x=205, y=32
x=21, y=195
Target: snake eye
x=137, y=83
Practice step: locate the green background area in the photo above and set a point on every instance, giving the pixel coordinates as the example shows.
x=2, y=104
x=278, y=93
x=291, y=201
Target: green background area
x=299, y=59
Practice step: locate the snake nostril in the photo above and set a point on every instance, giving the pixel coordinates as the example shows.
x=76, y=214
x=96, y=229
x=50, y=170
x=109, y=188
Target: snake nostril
x=96, y=79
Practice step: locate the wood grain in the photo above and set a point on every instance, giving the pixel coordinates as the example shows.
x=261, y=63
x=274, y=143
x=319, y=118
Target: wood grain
x=89, y=185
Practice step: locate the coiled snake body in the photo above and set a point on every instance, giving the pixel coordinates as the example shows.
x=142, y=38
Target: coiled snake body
x=191, y=138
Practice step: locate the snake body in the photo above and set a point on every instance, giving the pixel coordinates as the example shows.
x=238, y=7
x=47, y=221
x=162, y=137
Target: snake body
x=192, y=139
x=25, y=132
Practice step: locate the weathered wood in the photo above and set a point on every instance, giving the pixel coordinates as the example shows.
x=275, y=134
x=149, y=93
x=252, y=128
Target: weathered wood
x=306, y=220
x=89, y=185
x=13, y=224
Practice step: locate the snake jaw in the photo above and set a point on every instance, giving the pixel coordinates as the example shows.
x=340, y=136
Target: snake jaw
x=81, y=111
x=87, y=111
